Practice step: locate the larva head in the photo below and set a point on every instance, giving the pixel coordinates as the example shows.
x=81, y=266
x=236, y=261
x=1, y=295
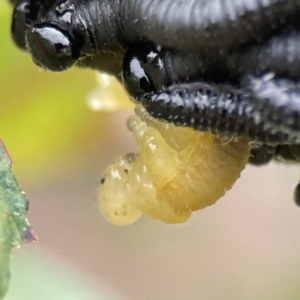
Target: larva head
x=140, y=66
x=52, y=47
x=50, y=33
x=25, y=13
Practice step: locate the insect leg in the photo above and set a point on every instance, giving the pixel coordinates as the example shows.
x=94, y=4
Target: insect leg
x=263, y=154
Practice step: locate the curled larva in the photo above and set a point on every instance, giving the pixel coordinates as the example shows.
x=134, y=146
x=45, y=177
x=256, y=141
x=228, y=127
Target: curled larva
x=115, y=191
x=178, y=171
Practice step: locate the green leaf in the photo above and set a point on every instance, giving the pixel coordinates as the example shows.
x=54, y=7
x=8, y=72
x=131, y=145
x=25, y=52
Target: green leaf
x=14, y=226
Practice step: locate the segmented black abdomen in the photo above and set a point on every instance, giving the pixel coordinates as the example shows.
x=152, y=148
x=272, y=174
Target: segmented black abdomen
x=192, y=24
x=100, y=19
x=280, y=55
x=218, y=108
x=214, y=65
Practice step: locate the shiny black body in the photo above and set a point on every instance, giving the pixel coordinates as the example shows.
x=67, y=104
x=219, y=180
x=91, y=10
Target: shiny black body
x=110, y=26
x=230, y=67
x=251, y=91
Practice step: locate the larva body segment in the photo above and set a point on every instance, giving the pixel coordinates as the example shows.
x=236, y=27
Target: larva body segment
x=178, y=171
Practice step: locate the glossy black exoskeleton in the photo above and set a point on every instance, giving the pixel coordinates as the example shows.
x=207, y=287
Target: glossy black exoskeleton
x=142, y=70
x=97, y=26
x=223, y=92
x=230, y=67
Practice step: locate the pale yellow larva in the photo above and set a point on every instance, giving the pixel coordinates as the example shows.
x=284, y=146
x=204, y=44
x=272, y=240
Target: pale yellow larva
x=178, y=171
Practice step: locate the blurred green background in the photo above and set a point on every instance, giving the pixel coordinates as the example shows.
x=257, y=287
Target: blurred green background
x=245, y=247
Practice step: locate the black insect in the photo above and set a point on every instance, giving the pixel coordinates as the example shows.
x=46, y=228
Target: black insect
x=230, y=67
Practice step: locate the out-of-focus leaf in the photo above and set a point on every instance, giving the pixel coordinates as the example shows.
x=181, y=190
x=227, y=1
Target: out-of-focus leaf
x=43, y=116
x=14, y=226
x=39, y=275
x=45, y=119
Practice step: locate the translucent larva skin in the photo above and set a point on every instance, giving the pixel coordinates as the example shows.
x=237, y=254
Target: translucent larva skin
x=115, y=203
x=178, y=171
x=126, y=191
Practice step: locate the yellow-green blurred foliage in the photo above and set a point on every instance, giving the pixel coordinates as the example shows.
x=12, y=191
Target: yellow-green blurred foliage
x=43, y=116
